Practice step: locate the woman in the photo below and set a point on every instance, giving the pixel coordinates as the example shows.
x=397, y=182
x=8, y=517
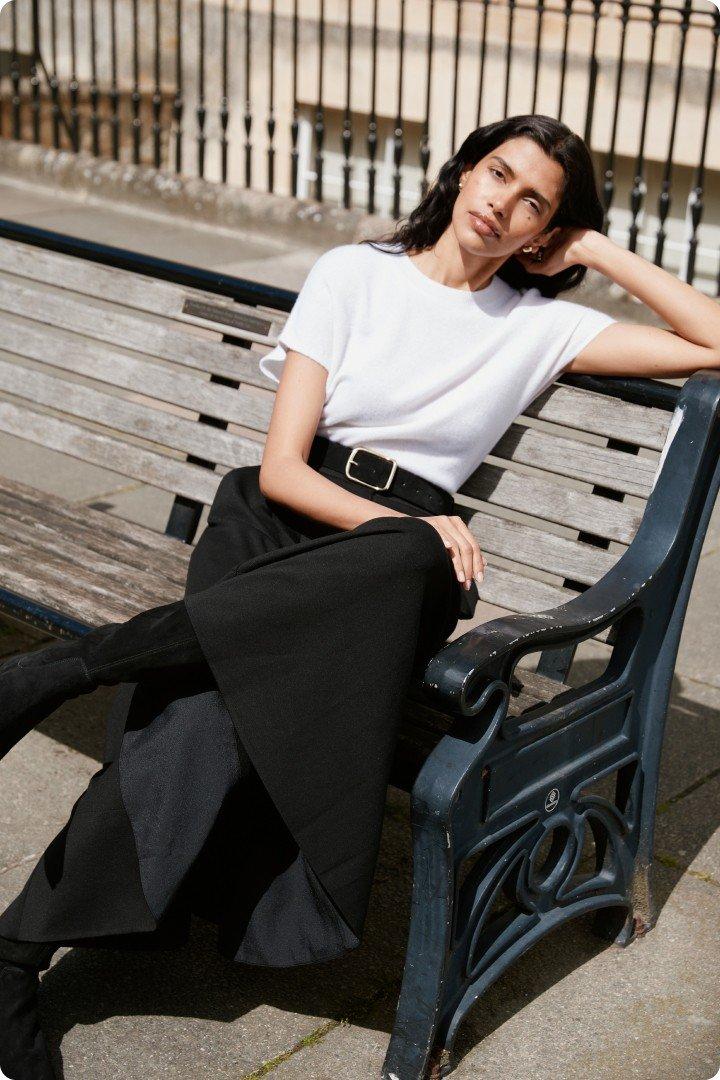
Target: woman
x=245, y=776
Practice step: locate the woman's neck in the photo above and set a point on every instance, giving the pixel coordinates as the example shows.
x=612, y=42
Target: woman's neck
x=447, y=264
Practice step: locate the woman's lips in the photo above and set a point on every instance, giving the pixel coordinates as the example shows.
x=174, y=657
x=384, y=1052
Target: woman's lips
x=481, y=227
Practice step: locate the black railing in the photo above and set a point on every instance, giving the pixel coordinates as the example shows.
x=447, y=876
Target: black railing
x=315, y=99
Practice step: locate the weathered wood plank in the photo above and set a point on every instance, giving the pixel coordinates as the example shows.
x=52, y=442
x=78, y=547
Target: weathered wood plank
x=71, y=590
x=549, y=501
x=532, y=547
x=570, y=406
x=92, y=279
x=46, y=527
x=98, y=522
x=568, y=457
x=37, y=541
x=131, y=418
x=67, y=352
x=131, y=332
x=602, y=415
x=165, y=473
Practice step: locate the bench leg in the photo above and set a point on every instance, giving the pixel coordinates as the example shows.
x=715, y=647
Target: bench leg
x=623, y=926
x=411, y=1045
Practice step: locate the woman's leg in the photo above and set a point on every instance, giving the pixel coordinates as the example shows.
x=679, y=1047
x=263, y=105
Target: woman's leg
x=24, y=1052
x=34, y=684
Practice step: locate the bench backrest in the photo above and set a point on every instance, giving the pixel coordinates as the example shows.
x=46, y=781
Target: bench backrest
x=115, y=368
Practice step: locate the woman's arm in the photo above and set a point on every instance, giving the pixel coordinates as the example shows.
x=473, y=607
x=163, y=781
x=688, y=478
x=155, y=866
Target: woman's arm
x=285, y=475
x=692, y=343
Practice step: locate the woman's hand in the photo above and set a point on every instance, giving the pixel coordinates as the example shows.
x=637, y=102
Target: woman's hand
x=462, y=546
x=563, y=248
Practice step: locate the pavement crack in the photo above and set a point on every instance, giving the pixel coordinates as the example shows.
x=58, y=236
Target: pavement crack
x=664, y=806
x=314, y=1037
x=311, y=1039
x=675, y=864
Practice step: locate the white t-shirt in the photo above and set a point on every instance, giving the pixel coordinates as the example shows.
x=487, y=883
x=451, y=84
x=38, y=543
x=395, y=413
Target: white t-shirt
x=424, y=373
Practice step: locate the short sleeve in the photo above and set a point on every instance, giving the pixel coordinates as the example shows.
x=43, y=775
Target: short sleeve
x=581, y=324
x=308, y=328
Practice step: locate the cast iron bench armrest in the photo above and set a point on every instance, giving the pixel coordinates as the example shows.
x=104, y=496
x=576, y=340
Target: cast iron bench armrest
x=455, y=678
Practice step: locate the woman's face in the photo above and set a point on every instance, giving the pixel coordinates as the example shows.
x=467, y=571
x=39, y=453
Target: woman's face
x=517, y=188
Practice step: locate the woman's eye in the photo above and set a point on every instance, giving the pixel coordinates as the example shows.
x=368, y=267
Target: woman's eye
x=535, y=207
x=496, y=172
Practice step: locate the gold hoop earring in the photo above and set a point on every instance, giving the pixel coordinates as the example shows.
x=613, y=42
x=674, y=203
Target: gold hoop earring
x=526, y=250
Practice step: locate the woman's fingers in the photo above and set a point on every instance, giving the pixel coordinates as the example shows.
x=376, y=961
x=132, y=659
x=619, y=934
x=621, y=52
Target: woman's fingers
x=464, y=549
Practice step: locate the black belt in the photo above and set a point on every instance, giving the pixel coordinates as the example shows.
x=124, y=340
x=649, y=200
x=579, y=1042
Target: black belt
x=383, y=474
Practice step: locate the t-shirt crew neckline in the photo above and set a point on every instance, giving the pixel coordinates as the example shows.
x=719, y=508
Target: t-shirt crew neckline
x=489, y=297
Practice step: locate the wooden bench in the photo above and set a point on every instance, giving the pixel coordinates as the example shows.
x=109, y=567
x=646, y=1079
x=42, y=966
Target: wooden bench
x=533, y=787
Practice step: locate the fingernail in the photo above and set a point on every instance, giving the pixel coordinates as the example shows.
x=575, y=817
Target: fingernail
x=461, y=576
x=478, y=577
x=466, y=585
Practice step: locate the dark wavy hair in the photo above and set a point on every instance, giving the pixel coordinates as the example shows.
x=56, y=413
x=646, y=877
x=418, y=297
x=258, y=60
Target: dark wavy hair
x=580, y=205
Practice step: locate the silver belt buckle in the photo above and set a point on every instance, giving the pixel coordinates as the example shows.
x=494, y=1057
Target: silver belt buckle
x=376, y=487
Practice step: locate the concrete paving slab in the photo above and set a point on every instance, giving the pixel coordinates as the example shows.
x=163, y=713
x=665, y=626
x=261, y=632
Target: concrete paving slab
x=698, y=652
x=573, y=1008
x=145, y=1014
x=687, y=831
x=691, y=743
x=136, y=502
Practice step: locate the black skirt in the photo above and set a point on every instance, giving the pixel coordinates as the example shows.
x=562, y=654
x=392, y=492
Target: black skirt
x=251, y=793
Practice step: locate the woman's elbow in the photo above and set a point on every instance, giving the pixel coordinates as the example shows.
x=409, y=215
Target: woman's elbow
x=265, y=480
x=270, y=477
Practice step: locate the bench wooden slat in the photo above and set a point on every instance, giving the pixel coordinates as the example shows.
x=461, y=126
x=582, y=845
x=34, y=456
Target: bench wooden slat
x=67, y=352
x=582, y=461
x=44, y=524
x=523, y=445
x=531, y=547
x=165, y=473
x=35, y=536
x=131, y=332
x=544, y=499
x=66, y=588
x=508, y=589
x=92, y=279
x=569, y=406
x=614, y=419
x=129, y=417
x=166, y=549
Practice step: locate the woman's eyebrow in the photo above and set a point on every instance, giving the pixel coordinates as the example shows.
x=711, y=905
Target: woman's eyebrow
x=533, y=191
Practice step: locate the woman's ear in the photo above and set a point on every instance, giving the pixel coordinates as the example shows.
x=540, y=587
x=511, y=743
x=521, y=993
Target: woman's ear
x=547, y=235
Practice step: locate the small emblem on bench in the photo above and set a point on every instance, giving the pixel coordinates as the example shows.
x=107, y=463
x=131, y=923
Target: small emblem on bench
x=551, y=799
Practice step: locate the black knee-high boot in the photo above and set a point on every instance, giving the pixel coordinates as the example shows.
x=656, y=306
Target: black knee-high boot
x=34, y=684
x=24, y=1053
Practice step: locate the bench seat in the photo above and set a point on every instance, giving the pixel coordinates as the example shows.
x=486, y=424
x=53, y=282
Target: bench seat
x=65, y=557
